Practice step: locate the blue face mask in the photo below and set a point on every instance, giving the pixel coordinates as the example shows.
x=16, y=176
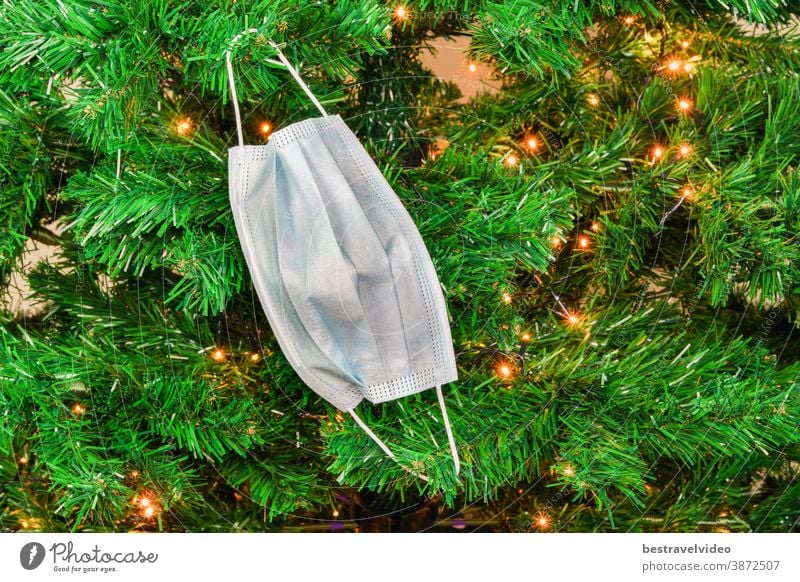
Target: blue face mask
x=340, y=269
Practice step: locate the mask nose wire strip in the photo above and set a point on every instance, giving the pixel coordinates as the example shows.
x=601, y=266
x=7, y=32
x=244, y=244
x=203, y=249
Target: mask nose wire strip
x=375, y=438
x=297, y=78
x=449, y=430
x=232, y=85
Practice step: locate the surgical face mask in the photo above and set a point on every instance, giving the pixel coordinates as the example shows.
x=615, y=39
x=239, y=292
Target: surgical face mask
x=339, y=267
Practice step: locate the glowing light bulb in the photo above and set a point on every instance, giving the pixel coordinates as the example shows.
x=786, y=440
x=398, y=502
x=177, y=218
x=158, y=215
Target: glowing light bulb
x=254, y=357
x=684, y=44
x=674, y=65
x=335, y=513
x=687, y=193
x=506, y=298
x=542, y=520
x=572, y=318
x=23, y=459
x=687, y=67
x=595, y=227
x=583, y=242
x=400, y=13
x=505, y=370
x=144, y=502
x=511, y=160
x=555, y=241
x=265, y=128
x=685, y=149
x=630, y=19
x=657, y=152
x=184, y=125
x=78, y=409
x=148, y=512
x=218, y=355
x=526, y=337
x=472, y=67
x=684, y=104
x=568, y=471
x=593, y=99
x=533, y=143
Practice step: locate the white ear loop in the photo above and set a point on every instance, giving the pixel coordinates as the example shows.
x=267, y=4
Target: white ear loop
x=448, y=428
x=286, y=63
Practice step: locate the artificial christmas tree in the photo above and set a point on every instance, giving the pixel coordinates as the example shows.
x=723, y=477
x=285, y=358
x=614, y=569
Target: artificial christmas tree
x=614, y=230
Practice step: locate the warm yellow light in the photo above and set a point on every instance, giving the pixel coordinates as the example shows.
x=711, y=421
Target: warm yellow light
x=595, y=227
x=335, y=513
x=184, y=125
x=144, y=502
x=506, y=298
x=687, y=67
x=684, y=44
x=265, y=128
x=400, y=13
x=593, y=99
x=533, y=143
x=555, y=241
x=526, y=337
x=684, y=104
x=568, y=471
x=472, y=67
x=78, y=409
x=218, y=355
x=505, y=370
x=685, y=149
x=687, y=193
x=23, y=459
x=542, y=520
x=630, y=19
x=254, y=357
x=511, y=160
x=572, y=318
x=148, y=512
x=583, y=242
x=657, y=152
x=674, y=65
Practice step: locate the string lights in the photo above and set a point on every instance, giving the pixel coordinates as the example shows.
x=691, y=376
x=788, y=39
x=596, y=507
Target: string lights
x=78, y=409
x=593, y=99
x=184, y=125
x=684, y=150
x=510, y=160
x=505, y=370
x=147, y=505
x=657, y=152
x=532, y=143
x=572, y=318
x=684, y=105
x=542, y=520
x=472, y=67
x=218, y=355
x=401, y=13
x=583, y=242
x=265, y=128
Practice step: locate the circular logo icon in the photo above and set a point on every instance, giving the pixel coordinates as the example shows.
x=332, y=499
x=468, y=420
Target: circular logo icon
x=31, y=555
